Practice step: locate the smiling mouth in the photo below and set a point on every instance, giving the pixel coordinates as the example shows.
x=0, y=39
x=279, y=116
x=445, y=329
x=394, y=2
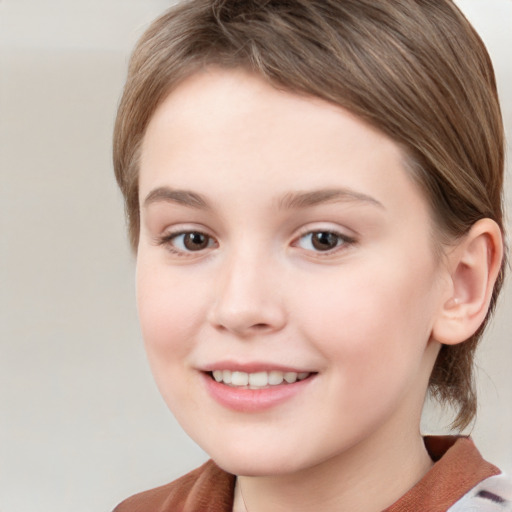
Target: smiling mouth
x=257, y=380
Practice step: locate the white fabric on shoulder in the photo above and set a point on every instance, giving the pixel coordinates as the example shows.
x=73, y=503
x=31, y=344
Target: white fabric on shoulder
x=493, y=494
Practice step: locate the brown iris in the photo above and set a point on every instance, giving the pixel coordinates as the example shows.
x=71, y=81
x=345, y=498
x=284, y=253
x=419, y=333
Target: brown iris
x=324, y=240
x=195, y=241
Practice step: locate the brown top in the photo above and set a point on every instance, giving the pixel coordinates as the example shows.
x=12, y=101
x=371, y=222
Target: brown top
x=458, y=468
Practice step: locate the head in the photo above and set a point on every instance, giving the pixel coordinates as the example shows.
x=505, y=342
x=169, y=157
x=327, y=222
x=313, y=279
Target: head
x=414, y=70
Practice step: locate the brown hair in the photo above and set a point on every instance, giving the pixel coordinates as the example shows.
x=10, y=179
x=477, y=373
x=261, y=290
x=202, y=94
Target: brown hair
x=414, y=69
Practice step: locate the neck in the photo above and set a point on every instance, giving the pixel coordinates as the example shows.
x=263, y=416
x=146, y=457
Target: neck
x=362, y=479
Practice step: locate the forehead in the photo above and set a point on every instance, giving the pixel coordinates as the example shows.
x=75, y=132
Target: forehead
x=217, y=102
x=220, y=125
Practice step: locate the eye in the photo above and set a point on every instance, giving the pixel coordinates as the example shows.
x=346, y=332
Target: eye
x=188, y=241
x=323, y=241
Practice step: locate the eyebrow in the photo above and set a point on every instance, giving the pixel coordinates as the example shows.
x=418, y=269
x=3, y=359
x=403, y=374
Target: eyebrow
x=307, y=199
x=169, y=195
x=291, y=200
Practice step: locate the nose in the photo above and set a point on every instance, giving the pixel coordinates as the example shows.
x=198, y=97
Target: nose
x=248, y=298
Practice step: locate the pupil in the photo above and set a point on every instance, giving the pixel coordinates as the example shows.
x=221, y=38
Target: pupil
x=195, y=241
x=324, y=241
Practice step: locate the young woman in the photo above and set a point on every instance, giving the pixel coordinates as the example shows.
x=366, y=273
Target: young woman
x=313, y=191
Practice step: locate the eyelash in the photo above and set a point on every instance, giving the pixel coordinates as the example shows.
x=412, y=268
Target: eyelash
x=167, y=241
x=343, y=242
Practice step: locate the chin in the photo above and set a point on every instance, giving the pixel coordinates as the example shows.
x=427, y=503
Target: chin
x=257, y=460
x=261, y=467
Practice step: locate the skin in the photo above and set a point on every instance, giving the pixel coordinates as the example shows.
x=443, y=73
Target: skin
x=359, y=315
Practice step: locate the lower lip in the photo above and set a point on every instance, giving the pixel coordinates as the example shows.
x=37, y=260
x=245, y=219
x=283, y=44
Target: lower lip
x=253, y=400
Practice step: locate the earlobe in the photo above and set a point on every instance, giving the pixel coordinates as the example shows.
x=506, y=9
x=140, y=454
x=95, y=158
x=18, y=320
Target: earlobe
x=474, y=264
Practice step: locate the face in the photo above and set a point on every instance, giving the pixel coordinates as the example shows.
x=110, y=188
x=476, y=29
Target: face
x=286, y=278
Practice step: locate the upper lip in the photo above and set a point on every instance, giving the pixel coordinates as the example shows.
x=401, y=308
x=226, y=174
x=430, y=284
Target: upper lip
x=252, y=367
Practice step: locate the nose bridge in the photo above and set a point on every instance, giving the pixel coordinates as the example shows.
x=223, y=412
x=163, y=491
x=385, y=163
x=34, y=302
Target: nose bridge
x=247, y=298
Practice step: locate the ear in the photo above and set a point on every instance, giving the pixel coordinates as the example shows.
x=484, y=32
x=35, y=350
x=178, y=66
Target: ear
x=473, y=265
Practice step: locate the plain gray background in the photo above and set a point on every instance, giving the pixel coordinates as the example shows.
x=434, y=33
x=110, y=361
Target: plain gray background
x=82, y=425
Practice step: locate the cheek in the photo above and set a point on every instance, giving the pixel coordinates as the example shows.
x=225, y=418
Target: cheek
x=169, y=313
x=375, y=345
x=373, y=324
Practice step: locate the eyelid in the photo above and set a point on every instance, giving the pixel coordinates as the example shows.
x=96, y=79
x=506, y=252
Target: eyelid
x=166, y=238
x=347, y=240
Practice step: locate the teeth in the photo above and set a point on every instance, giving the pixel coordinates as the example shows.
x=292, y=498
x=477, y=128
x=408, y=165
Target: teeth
x=275, y=378
x=239, y=378
x=290, y=377
x=258, y=380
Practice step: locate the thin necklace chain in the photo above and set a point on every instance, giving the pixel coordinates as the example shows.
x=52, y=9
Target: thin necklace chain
x=242, y=495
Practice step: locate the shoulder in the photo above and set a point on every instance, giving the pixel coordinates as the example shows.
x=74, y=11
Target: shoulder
x=207, y=488
x=459, y=481
x=494, y=494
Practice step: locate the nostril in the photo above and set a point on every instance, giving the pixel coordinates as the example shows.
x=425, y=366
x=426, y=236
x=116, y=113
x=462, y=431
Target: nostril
x=245, y=315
